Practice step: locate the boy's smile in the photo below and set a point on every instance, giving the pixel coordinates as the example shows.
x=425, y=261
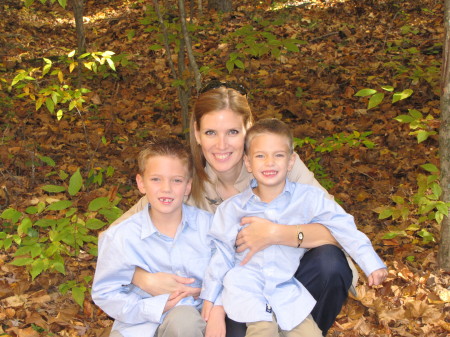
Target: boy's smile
x=166, y=201
x=269, y=173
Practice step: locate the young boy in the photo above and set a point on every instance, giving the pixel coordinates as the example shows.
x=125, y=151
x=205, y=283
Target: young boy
x=264, y=293
x=167, y=236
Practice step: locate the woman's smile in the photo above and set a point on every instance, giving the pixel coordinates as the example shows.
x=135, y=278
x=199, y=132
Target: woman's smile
x=222, y=156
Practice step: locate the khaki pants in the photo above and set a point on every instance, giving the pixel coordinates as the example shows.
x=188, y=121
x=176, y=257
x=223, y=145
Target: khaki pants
x=181, y=321
x=307, y=328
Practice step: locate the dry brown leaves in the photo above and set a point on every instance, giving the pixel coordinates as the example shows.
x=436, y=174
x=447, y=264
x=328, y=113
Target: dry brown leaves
x=346, y=52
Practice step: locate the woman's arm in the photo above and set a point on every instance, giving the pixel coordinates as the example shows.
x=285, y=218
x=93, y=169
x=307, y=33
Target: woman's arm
x=261, y=233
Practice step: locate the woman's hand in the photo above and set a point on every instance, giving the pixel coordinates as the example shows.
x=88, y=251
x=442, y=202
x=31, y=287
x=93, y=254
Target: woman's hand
x=377, y=277
x=215, y=324
x=261, y=233
x=258, y=235
x=164, y=283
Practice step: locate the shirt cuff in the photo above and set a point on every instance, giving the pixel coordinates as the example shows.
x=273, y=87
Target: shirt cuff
x=153, y=307
x=370, y=265
x=211, y=292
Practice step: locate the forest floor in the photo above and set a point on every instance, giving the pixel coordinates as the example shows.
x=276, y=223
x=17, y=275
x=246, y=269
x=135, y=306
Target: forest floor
x=350, y=45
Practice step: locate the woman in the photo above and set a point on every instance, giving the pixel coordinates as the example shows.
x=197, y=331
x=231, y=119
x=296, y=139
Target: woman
x=218, y=124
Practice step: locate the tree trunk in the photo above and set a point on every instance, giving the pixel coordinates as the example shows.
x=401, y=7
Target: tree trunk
x=220, y=5
x=188, y=46
x=78, y=8
x=444, y=144
x=184, y=48
x=200, y=7
x=183, y=93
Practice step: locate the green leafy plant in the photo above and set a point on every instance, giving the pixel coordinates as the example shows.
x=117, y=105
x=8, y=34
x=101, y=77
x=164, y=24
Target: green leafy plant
x=421, y=208
x=337, y=141
x=422, y=126
x=319, y=173
x=329, y=144
x=257, y=41
x=78, y=289
x=377, y=97
x=96, y=175
x=56, y=227
x=53, y=87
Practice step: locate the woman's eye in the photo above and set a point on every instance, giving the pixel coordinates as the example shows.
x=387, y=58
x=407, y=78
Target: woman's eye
x=280, y=155
x=259, y=156
x=154, y=179
x=210, y=133
x=178, y=181
x=233, y=132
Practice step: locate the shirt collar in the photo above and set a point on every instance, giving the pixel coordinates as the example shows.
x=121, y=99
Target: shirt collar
x=248, y=194
x=187, y=219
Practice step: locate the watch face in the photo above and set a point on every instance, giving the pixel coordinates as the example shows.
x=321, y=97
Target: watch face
x=300, y=235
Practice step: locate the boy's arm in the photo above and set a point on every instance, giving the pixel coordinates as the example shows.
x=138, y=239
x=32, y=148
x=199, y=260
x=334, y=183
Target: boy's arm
x=342, y=226
x=222, y=235
x=112, y=291
x=215, y=326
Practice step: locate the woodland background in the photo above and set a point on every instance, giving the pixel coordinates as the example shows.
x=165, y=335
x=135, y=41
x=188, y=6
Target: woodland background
x=67, y=155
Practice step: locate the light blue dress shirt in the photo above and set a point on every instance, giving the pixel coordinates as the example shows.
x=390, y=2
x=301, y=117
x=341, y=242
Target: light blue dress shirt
x=137, y=243
x=250, y=292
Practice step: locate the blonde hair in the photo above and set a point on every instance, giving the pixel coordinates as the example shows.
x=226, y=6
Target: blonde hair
x=269, y=125
x=213, y=100
x=169, y=147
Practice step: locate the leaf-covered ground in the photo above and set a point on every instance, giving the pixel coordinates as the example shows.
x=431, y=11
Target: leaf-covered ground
x=351, y=45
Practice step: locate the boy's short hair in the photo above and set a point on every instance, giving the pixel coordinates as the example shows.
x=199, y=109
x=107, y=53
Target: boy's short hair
x=269, y=125
x=166, y=146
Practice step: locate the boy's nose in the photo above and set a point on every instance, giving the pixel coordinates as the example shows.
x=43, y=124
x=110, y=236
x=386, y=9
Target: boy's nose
x=269, y=160
x=166, y=185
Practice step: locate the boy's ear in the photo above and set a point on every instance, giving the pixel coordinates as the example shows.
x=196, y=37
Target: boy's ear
x=140, y=183
x=291, y=162
x=247, y=164
x=188, y=187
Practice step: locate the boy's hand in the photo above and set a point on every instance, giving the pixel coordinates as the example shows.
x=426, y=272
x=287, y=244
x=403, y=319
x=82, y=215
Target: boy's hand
x=206, y=309
x=215, y=326
x=255, y=237
x=163, y=283
x=172, y=301
x=377, y=277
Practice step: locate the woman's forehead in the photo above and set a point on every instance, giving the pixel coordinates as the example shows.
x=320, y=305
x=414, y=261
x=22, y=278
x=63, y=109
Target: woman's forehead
x=223, y=116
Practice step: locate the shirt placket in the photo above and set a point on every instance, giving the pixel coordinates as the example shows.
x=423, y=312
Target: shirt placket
x=270, y=262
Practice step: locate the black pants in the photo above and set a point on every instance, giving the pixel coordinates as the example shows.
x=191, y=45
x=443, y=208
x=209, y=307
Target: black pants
x=324, y=271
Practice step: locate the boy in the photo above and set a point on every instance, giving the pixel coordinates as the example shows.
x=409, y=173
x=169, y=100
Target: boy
x=263, y=293
x=167, y=236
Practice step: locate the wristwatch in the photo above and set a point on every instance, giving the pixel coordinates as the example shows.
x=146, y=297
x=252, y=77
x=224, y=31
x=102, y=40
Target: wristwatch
x=300, y=236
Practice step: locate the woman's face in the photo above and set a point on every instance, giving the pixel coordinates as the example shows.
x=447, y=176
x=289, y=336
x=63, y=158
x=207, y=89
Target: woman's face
x=221, y=136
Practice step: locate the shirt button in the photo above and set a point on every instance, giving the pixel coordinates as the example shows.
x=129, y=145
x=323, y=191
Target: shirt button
x=270, y=213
